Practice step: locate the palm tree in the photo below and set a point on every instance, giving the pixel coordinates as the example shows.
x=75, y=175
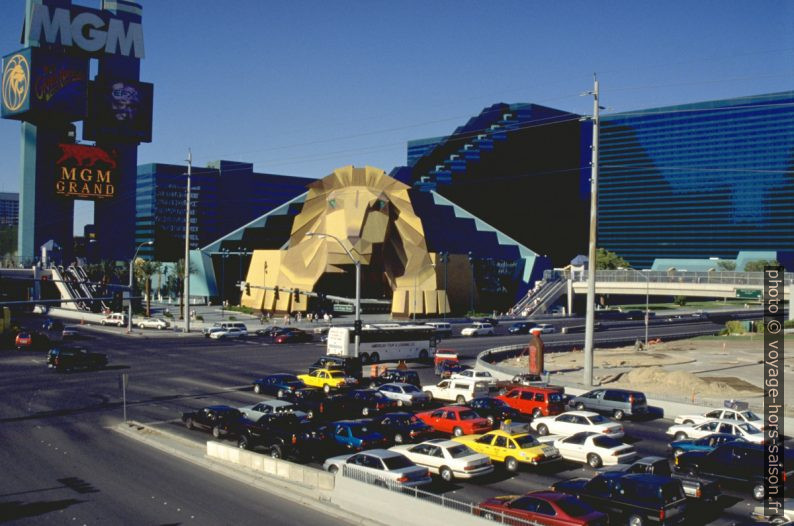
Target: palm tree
x=144, y=271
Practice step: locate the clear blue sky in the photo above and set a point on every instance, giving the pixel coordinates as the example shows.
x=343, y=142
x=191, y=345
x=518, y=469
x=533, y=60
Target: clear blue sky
x=303, y=87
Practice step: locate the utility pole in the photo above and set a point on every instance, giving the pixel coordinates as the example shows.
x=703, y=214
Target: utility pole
x=591, y=253
x=186, y=312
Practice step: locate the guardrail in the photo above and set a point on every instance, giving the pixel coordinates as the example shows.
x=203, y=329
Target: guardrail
x=755, y=279
x=441, y=500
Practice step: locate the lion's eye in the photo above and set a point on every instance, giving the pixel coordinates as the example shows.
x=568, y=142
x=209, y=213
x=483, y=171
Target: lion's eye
x=332, y=203
x=380, y=204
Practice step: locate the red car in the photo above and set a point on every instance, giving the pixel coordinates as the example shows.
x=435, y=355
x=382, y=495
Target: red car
x=536, y=400
x=24, y=340
x=457, y=420
x=545, y=507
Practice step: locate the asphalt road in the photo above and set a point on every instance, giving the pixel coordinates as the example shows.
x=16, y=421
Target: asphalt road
x=63, y=463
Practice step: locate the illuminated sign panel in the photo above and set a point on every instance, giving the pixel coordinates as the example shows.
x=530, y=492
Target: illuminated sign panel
x=119, y=110
x=16, y=84
x=86, y=172
x=92, y=31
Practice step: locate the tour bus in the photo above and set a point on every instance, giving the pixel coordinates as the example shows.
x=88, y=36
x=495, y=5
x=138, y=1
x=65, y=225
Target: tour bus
x=384, y=342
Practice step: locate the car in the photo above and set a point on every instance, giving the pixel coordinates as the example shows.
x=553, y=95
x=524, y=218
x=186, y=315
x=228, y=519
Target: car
x=381, y=467
x=405, y=394
x=449, y=459
x=595, y=449
x=543, y=508
x=744, y=415
x=736, y=463
x=327, y=379
x=227, y=333
x=402, y=428
x=64, y=358
x=747, y=431
x=390, y=376
x=543, y=328
x=456, y=420
x=220, y=420
x=473, y=374
x=573, y=422
x=784, y=515
x=706, y=443
x=478, y=329
x=270, y=407
x=293, y=336
x=52, y=325
x=367, y=402
x=208, y=332
x=39, y=309
x=447, y=369
x=356, y=435
x=527, y=379
x=269, y=331
x=512, y=445
x=277, y=384
x=459, y=390
x=351, y=365
x=541, y=400
x=23, y=340
x=70, y=332
x=698, y=490
x=632, y=499
x=618, y=403
x=492, y=321
x=442, y=329
x=153, y=323
x=284, y=435
x=118, y=319
x=495, y=410
x=520, y=328
x=316, y=404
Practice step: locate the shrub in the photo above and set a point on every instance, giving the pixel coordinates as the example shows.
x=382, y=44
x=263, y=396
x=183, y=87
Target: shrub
x=680, y=301
x=734, y=327
x=200, y=318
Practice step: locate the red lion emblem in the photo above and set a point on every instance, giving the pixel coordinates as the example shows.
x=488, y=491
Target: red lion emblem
x=85, y=155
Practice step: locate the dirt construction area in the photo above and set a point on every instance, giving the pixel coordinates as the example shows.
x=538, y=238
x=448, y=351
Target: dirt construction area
x=700, y=370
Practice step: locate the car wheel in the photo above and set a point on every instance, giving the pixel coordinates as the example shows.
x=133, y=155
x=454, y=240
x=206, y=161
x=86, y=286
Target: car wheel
x=102, y=323
x=537, y=413
x=489, y=516
x=423, y=355
x=446, y=474
x=677, y=452
x=779, y=520
x=243, y=442
x=280, y=393
x=365, y=411
x=511, y=464
x=310, y=414
x=457, y=432
x=398, y=438
x=580, y=406
x=189, y=423
x=618, y=414
x=490, y=420
x=141, y=326
x=216, y=432
x=364, y=358
x=758, y=492
x=543, y=430
x=333, y=470
x=429, y=396
x=400, y=403
x=374, y=357
x=373, y=385
x=257, y=388
x=121, y=324
x=635, y=520
x=594, y=461
x=460, y=399
x=275, y=452
x=327, y=388
x=680, y=435
x=687, y=422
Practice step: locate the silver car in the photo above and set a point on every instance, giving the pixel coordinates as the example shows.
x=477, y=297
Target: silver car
x=269, y=407
x=380, y=467
x=405, y=394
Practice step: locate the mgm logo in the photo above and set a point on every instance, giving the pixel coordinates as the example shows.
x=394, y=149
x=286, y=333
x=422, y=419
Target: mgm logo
x=85, y=171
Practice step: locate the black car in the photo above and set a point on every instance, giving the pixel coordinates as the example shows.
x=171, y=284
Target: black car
x=270, y=332
x=316, y=404
x=738, y=463
x=631, y=499
x=220, y=420
x=277, y=384
x=349, y=364
x=403, y=428
x=395, y=376
x=293, y=336
x=492, y=321
x=494, y=410
x=366, y=402
x=285, y=436
x=520, y=328
x=63, y=359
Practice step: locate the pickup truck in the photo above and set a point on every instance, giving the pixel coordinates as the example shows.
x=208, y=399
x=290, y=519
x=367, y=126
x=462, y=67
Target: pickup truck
x=62, y=359
x=700, y=490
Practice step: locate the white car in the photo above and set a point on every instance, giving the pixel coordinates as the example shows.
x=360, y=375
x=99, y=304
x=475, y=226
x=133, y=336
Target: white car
x=472, y=374
x=268, y=407
x=747, y=431
x=226, y=333
x=404, y=394
x=459, y=390
x=447, y=458
x=153, y=323
x=478, y=329
x=116, y=318
x=596, y=449
x=379, y=467
x=573, y=422
x=784, y=516
x=543, y=328
x=39, y=309
x=722, y=414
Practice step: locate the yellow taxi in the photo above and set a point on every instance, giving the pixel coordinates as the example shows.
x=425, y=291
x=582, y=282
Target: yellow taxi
x=511, y=444
x=326, y=379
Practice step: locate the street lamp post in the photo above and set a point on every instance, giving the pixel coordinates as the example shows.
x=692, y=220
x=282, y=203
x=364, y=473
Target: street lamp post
x=445, y=257
x=471, y=262
x=132, y=264
x=224, y=255
x=357, y=263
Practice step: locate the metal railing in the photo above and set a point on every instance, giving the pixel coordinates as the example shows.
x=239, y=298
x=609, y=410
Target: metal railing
x=753, y=279
x=438, y=499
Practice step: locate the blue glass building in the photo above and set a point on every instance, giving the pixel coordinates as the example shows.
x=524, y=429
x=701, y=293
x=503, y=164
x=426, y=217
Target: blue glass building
x=698, y=180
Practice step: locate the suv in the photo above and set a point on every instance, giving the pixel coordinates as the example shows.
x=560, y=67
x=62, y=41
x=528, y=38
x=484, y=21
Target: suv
x=65, y=359
x=616, y=402
x=284, y=435
x=478, y=329
x=536, y=400
x=115, y=318
x=443, y=329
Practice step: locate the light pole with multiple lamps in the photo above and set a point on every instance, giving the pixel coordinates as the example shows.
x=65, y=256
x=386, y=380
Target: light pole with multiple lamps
x=132, y=272
x=357, y=263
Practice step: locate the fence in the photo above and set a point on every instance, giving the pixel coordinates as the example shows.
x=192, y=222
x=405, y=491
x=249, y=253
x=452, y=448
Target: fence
x=441, y=500
x=677, y=276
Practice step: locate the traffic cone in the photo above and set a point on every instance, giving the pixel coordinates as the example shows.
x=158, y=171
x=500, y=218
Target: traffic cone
x=402, y=366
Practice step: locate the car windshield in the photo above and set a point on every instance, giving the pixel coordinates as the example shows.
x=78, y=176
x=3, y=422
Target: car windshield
x=397, y=462
x=468, y=415
x=598, y=419
x=749, y=428
x=495, y=402
x=337, y=374
x=573, y=507
x=408, y=388
x=525, y=441
x=606, y=442
x=406, y=420
x=460, y=451
x=359, y=431
x=750, y=416
x=555, y=397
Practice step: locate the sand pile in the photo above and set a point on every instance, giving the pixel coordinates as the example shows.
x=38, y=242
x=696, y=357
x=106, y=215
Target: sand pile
x=655, y=379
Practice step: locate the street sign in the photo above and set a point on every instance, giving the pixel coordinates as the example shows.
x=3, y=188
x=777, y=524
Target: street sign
x=343, y=307
x=748, y=294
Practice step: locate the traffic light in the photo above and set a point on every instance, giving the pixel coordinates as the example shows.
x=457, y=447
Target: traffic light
x=275, y=293
x=117, y=303
x=247, y=289
x=296, y=296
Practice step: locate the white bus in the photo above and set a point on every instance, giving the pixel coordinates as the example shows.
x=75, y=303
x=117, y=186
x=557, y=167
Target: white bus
x=384, y=342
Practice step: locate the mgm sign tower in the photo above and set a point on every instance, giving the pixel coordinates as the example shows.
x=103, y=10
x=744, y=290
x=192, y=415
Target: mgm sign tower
x=46, y=85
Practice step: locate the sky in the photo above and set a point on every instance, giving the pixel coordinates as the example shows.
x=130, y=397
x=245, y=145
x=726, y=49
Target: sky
x=303, y=87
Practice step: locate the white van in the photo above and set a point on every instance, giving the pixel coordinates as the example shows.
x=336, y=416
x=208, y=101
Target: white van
x=226, y=325
x=443, y=329
x=458, y=390
x=115, y=318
